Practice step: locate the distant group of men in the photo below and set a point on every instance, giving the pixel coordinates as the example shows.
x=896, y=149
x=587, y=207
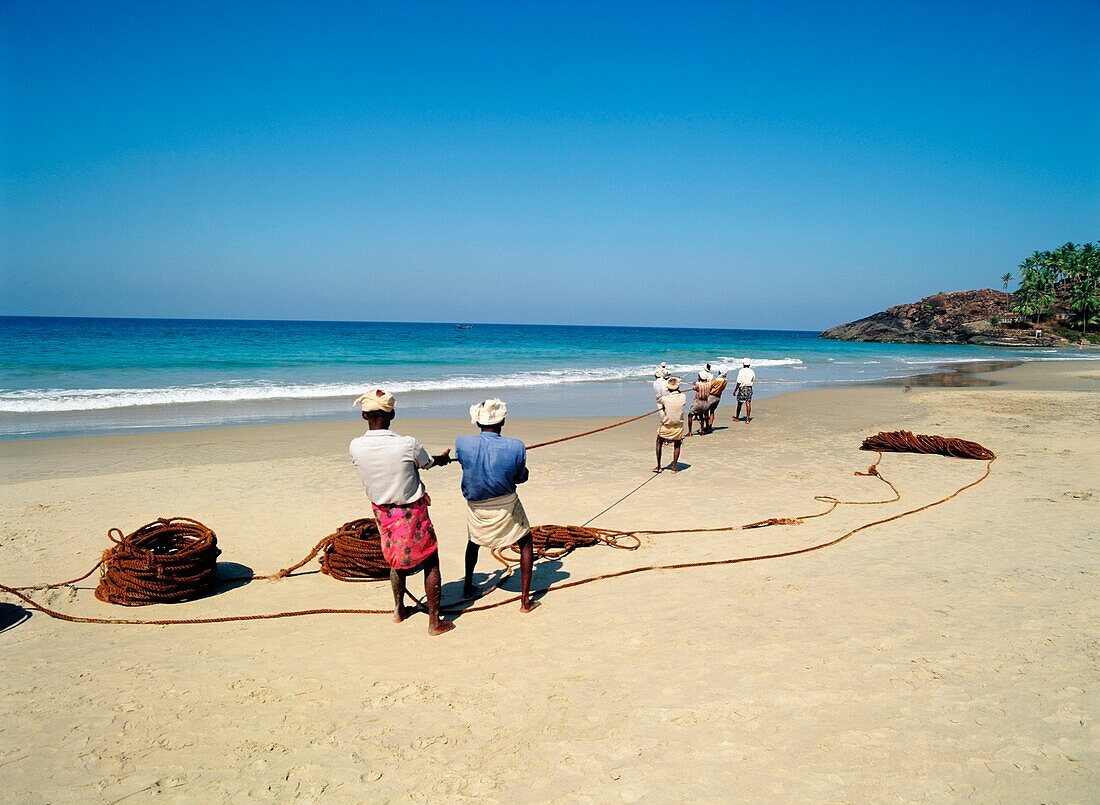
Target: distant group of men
x=708, y=389
x=493, y=466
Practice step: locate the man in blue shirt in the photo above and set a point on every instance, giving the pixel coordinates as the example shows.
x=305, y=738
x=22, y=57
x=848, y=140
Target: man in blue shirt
x=492, y=467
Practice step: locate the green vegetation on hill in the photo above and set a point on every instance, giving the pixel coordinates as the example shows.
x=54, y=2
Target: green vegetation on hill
x=1068, y=276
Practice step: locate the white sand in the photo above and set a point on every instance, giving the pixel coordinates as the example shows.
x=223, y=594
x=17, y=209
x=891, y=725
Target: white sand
x=949, y=655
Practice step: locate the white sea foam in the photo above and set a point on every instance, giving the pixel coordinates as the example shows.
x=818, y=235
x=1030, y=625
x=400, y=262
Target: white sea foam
x=58, y=400
x=761, y=361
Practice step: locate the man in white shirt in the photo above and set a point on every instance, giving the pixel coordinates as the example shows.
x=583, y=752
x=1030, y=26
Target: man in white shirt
x=389, y=466
x=660, y=385
x=743, y=390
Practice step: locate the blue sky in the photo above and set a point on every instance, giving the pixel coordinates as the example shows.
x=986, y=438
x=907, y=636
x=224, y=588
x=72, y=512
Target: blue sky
x=711, y=164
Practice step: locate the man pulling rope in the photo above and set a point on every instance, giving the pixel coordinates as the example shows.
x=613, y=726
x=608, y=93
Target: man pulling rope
x=389, y=466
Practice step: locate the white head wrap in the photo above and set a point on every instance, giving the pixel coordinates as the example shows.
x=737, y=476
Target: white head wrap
x=746, y=362
x=489, y=412
x=674, y=384
x=376, y=400
x=661, y=372
x=721, y=371
x=704, y=375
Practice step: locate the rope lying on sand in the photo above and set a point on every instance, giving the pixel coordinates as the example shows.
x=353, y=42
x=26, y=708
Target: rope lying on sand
x=557, y=541
x=741, y=559
x=352, y=553
x=182, y=544
x=903, y=441
x=170, y=560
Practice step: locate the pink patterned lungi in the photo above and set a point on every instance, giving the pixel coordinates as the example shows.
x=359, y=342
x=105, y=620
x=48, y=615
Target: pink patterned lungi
x=408, y=537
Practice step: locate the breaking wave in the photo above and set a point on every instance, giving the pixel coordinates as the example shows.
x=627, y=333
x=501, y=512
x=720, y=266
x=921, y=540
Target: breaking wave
x=57, y=400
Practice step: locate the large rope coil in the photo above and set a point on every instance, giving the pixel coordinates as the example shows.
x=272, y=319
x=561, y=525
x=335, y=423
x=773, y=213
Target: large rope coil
x=354, y=553
x=904, y=441
x=351, y=553
x=172, y=559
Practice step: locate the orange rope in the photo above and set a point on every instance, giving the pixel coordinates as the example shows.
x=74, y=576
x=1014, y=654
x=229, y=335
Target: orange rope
x=556, y=541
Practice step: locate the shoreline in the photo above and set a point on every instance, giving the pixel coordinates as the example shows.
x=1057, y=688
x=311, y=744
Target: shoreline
x=960, y=373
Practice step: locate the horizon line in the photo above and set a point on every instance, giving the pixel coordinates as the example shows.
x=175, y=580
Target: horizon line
x=369, y=321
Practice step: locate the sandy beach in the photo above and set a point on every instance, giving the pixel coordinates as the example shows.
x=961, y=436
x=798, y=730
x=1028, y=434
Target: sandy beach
x=949, y=655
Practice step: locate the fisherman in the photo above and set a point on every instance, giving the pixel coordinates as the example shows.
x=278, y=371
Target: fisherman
x=717, y=386
x=671, y=429
x=660, y=385
x=742, y=388
x=389, y=466
x=492, y=466
x=699, y=406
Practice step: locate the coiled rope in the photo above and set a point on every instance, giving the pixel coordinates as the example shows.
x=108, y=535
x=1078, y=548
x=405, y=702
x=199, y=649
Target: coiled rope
x=903, y=441
x=183, y=535
x=557, y=541
x=352, y=553
x=170, y=560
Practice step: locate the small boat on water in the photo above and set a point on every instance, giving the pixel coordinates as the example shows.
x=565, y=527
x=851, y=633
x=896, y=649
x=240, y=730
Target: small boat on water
x=464, y=326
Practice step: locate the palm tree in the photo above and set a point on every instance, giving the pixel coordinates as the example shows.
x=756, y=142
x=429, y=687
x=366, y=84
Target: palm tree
x=1006, y=278
x=1026, y=299
x=1084, y=273
x=1085, y=299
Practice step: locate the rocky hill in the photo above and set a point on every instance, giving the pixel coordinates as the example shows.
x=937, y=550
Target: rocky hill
x=963, y=317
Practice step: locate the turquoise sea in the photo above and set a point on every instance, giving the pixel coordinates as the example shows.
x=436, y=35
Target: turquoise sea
x=63, y=376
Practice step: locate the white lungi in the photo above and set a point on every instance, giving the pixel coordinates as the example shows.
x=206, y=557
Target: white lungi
x=496, y=522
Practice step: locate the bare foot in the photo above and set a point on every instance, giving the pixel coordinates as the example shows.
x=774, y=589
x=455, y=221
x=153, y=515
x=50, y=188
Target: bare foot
x=528, y=606
x=442, y=628
x=656, y=469
x=675, y=470
x=403, y=613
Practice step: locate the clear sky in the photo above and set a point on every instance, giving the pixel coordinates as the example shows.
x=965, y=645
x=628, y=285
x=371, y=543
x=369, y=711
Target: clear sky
x=719, y=164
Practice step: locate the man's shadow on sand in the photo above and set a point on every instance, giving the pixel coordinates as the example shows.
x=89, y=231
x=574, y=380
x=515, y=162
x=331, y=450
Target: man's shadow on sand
x=543, y=575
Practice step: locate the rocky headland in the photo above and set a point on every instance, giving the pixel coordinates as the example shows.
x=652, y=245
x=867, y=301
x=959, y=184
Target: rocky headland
x=962, y=317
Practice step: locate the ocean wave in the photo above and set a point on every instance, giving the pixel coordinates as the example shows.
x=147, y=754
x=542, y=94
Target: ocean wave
x=760, y=361
x=236, y=391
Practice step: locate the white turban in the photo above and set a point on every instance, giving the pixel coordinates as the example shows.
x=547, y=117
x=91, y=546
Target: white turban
x=746, y=361
x=661, y=373
x=704, y=376
x=376, y=400
x=489, y=412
